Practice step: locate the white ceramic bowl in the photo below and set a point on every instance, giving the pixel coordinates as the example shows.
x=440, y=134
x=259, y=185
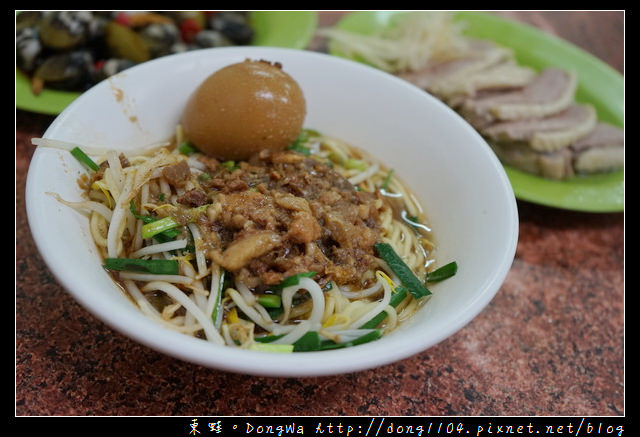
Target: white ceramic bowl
x=464, y=190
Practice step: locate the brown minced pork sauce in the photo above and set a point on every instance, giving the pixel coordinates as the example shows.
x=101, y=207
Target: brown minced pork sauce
x=283, y=213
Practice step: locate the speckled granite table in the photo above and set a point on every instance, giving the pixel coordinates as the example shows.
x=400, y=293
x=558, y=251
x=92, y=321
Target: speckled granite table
x=550, y=343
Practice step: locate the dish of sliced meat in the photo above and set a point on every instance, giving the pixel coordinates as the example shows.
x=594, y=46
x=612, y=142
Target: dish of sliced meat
x=552, y=112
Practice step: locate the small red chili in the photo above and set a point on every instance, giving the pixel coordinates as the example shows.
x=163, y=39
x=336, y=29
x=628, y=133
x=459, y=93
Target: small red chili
x=123, y=18
x=189, y=28
x=97, y=66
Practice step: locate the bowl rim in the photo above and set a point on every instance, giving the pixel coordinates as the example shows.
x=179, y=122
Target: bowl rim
x=234, y=360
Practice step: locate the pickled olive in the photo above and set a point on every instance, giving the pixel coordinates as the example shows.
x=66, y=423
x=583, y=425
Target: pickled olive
x=112, y=66
x=197, y=16
x=160, y=37
x=233, y=25
x=66, y=70
x=142, y=19
x=211, y=38
x=28, y=19
x=64, y=30
x=28, y=48
x=125, y=43
x=244, y=108
x=117, y=39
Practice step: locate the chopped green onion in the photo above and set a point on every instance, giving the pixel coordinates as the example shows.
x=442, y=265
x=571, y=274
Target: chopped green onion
x=214, y=313
x=355, y=164
x=269, y=347
x=294, y=280
x=204, y=176
x=84, y=159
x=153, y=266
x=300, y=149
x=366, y=338
x=308, y=342
x=162, y=237
x=311, y=341
x=187, y=148
x=402, y=271
x=387, y=179
x=268, y=338
x=337, y=158
x=168, y=235
x=274, y=313
x=136, y=214
x=298, y=144
x=373, y=335
x=442, y=273
x=270, y=300
x=158, y=226
x=229, y=165
x=397, y=296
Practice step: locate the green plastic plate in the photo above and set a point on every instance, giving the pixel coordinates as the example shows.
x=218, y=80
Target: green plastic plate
x=598, y=84
x=289, y=29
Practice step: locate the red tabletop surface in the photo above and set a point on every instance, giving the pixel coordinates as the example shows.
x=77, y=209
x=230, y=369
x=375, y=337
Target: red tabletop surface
x=550, y=343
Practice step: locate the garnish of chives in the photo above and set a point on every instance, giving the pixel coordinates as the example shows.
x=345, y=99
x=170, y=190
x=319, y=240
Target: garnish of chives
x=153, y=266
x=84, y=159
x=270, y=300
x=158, y=226
x=355, y=164
x=402, y=271
x=270, y=347
x=186, y=148
x=442, y=273
x=293, y=280
x=387, y=179
x=397, y=296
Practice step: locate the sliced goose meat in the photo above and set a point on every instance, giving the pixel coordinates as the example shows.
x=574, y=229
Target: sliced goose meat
x=551, y=165
x=482, y=55
x=603, y=135
x=601, y=150
x=599, y=159
x=546, y=134
x=504, y=76
x=550, y=92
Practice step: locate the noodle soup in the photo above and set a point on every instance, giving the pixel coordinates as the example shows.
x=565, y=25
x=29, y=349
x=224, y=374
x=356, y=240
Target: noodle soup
x=460, y=183
x=316, y=247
